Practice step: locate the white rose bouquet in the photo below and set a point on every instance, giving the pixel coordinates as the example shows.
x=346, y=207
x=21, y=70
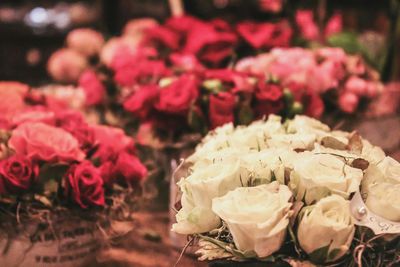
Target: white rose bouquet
x=291, y=191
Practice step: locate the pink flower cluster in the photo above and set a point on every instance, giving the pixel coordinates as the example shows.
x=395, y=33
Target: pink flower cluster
x=321, y=71
x=38, y=135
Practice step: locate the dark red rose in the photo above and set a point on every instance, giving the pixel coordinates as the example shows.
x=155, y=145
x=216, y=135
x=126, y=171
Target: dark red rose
x=94, y=90
x=222, y=106
x=107, y=172
x=267, y=107
x=177, y=97
x=142, y=101
x=232, y=80
x=182, y=24
x=312, y=102
x=209, y=44
x=17, y=174
x=268, y=91
x=129, y=168
x=265, y=35
x=84, y=185
x=161, y=36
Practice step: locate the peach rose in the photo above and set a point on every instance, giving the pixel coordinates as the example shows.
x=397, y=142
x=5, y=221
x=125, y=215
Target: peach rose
x=66, y=65
x=86, y=41
x=136, y=27
x=40, y=141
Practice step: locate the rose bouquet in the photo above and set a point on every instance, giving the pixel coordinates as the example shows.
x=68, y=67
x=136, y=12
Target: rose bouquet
x=344, y=81
x=61, y=178
x=292, y=192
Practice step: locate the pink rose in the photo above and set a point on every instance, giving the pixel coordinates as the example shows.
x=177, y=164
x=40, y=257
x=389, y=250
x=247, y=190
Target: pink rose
x=11, y=100
x=111, y=141
x=45, y=116
x=94, y=90
x=85, y=41
x=137, y=27
x=357, y=86
x=39, y=141
x=185, y=62
x=334, y=24
x=273, y=6
x=66, y=65
x=305, y=21
x=348, y=102
x=84, y=185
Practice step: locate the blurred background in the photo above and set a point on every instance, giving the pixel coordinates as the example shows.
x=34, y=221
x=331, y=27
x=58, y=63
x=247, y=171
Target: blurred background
x=31, y=30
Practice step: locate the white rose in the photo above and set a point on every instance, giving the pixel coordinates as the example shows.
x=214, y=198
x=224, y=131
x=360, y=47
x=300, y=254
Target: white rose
x=255, y=135
x=383, y=199
x=198, y=189
x=327, y=224
x=390, y=169
x=318, y=175
x=261, y=167
x=293, y=141
x=387, y=171
x=304, y=124
x=372, y=154
x=257, y=217
x=214, y=141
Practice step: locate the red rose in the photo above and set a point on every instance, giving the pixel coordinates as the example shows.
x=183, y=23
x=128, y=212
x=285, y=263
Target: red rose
x=130, y=168
x=182, y=24
x=141, y=102
x=208, y=44
x=185, y=62
x=312, y=102
x=177, y=97
x=268, y=91
x=17, y=174
x=161, y=36
x=222, y=107
x=93, y=88
x=83, y=133
x=84, y=185
x=107, y=172
x=39, y=141
x=142, y=71
x=235, y=81
x=265, y=35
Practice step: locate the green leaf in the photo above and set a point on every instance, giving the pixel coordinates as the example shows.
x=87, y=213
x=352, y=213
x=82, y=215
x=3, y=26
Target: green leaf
x=346, y=40
x=320, y=255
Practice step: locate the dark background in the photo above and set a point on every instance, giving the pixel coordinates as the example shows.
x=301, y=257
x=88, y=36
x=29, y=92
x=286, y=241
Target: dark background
x=25, y=48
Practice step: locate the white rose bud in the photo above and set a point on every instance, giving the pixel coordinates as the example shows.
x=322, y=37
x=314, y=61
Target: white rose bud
x=326, y=229
x=318, y=175
x=257, y=217
x=206, y=182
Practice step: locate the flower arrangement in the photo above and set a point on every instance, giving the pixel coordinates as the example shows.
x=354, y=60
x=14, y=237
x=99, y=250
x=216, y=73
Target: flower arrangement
x=51, y=155
x=290, y=191
x=345, y=80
